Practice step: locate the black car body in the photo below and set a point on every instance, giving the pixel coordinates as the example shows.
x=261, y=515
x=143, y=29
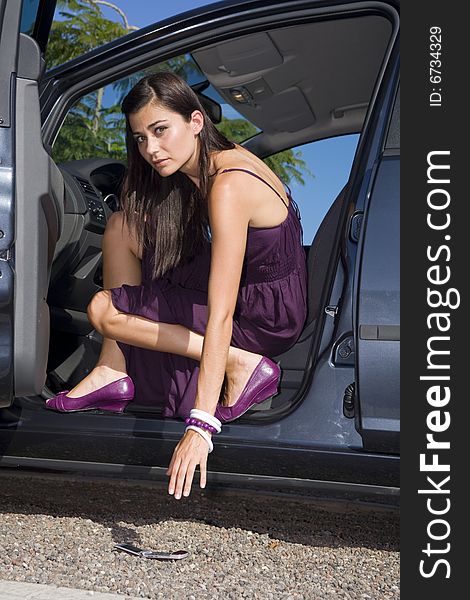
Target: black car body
x=328, y=68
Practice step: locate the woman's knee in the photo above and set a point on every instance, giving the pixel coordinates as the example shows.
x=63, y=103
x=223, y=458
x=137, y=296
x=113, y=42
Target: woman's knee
x=116, y=221
x=118, y=232
x=99, y=310
x=116, y=227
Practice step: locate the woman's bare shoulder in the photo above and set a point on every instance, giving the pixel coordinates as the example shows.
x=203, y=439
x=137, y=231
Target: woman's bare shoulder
x=249, y=191
x=236, y=158
x=231, y=162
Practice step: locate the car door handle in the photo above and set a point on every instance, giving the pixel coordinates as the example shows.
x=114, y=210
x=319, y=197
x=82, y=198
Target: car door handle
x=389, y=333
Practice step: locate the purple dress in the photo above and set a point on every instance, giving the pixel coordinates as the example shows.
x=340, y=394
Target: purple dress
x=269, y=315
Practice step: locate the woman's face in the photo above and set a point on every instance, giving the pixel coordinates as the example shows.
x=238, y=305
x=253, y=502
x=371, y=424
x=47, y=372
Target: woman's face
x=165, y=140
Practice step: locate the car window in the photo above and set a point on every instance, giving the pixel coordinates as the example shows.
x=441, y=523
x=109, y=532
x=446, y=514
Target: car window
x=95, y=127
x=28, y=16
x=80, y=26
x=315, y=172
x=319, y=173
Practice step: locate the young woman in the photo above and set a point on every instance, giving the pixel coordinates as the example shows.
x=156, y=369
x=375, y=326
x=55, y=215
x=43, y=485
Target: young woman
x=204, y=275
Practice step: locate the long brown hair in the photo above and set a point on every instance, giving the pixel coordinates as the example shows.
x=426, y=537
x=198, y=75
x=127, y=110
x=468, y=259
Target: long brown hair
x=170, y=213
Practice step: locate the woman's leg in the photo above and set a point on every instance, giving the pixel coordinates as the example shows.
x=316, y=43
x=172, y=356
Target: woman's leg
x=166, y=337
x=121, y=264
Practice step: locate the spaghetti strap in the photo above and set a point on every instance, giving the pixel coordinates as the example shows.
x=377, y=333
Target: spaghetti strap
x=257, y=177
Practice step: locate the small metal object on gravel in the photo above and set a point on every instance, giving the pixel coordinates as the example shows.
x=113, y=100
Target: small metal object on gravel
x=177, y=555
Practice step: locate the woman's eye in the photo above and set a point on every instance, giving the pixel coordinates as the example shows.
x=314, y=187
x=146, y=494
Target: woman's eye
x=158, y=131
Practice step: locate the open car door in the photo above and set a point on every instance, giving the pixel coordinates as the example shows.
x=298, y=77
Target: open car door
x=31, y=200
x=377, y=294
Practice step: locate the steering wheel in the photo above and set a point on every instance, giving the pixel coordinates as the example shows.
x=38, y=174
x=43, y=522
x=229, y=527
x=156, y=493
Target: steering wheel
x=92, y=188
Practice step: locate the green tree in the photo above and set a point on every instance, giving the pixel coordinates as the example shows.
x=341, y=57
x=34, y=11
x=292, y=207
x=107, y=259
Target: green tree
x=91, y=129
x=90, y=132
x=81, y=28
x=288, y=165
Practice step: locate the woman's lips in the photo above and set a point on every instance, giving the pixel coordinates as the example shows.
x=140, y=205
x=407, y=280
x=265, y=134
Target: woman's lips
x=161, y=162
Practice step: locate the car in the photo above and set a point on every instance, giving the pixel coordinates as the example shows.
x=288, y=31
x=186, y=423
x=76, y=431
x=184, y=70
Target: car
x=299, y=72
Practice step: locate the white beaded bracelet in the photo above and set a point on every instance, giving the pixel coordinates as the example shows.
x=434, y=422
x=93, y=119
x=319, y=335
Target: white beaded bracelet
x=204, y=434
x=207, y=417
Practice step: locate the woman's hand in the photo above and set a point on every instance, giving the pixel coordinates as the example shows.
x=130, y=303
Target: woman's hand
x=192, y=450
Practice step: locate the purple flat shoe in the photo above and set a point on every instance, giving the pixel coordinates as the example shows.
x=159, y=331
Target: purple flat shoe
x=113, y=397
x=262, y=384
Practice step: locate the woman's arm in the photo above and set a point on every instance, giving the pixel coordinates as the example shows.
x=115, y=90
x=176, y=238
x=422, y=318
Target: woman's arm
x=229, y=215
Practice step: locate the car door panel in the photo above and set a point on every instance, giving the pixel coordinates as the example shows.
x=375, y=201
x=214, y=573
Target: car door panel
x=39, y=209
x=30, y=206
x=378, y=339
x=9, y=26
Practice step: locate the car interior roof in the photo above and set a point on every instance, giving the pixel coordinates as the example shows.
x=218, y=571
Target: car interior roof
x=303, y=82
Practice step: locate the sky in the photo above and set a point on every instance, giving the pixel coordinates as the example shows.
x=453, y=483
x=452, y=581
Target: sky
x=329, y=160
x=145, y=12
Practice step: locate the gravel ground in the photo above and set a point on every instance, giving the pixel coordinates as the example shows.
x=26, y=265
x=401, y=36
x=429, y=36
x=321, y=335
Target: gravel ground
x=61, y=531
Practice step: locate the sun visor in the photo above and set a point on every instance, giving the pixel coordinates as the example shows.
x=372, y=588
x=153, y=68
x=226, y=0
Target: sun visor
x=314, y=78
x=238, y=57
x=286, y=111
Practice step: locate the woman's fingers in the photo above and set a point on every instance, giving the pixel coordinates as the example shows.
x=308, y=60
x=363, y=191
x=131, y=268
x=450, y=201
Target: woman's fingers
x=203, y=475
x=170, y=466
x=174, y=468
x=185, y=476
x=187, y=455
x=189, y=479
x=180, y=480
